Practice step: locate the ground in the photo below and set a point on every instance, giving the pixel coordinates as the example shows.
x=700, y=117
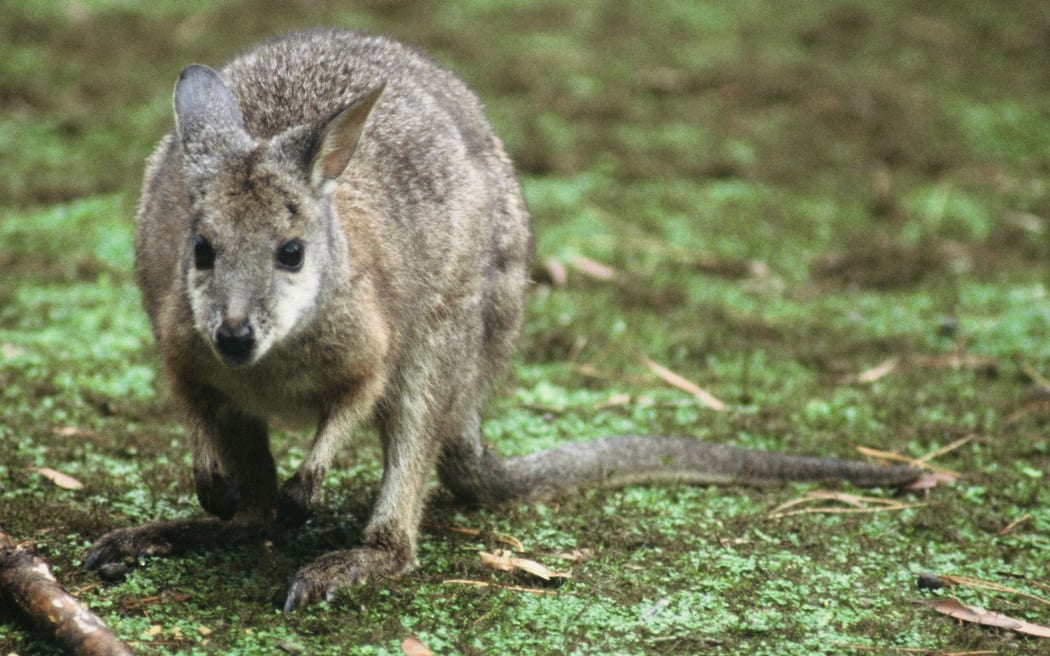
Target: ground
x=831, y=216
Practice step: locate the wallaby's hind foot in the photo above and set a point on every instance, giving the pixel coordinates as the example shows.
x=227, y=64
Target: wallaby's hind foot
x=167, y=538
x=336, y=570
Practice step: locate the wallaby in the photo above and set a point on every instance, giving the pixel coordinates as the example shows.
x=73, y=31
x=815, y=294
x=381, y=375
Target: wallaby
x=332, y=235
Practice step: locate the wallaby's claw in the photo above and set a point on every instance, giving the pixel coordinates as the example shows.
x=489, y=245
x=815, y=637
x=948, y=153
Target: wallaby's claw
x=126, y=544
x=295, y=501
x=303, y=592
x=164, y=538
x=324, y=577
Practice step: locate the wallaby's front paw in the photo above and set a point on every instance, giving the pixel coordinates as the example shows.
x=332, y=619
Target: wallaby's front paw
x=297, y=499
x=321, y=579
x=217, y=492
x=126, y=544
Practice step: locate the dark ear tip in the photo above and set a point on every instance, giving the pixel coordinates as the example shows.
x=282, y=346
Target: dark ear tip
x=195, y=72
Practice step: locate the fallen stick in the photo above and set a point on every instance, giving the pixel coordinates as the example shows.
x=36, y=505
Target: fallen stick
x=26, y=583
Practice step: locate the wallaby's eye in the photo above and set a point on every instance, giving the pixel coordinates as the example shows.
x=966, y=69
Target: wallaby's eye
x=203, y=254
x=290, y=254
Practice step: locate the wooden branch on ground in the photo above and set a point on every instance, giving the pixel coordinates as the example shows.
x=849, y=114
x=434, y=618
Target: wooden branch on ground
x=26, y=583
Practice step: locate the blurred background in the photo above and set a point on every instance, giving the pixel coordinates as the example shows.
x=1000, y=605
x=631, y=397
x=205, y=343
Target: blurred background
x=833, y=216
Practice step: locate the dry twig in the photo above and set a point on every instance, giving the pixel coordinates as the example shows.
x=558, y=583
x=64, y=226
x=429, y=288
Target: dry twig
x=26, y=583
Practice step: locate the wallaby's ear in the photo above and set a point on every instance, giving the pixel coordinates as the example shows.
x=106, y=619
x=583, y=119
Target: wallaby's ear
x=339, y=139
x=205, y=110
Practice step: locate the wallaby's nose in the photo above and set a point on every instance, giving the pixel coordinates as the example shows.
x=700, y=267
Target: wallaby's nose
x=235, y=341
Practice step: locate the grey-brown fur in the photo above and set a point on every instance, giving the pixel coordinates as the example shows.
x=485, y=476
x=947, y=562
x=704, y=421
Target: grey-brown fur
x=332, y=235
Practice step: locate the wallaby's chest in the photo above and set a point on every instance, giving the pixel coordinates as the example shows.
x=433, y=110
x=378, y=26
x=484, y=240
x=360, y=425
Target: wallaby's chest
x=295, y=386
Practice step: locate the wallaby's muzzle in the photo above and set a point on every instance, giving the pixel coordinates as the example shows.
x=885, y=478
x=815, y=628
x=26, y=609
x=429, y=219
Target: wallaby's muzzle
x=235, y=342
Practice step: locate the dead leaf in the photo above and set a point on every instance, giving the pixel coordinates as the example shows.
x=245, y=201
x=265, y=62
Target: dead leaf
x=929, y=481
x=613, y=401
x=11, y=351
x=575, y=556
x=684, y=384
x=559, y=275
x=880, y=370
x=290, y=647
x=411, y=646
x=505, y=561
x=978, y=615
x=593, y=269
x=64, y=481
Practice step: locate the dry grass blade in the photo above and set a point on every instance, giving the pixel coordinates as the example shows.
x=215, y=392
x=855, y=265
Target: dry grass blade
x=591, y=371
x=882, y=649
x=857, y=504
x=1041, y=382
x=1036, y=377
x=574, y=556
x=684, y=384
x=896, y=457
x=945, y=449
x=1009, y=528
x=956, y=361
x=509, y=540
x=465, y=530
x=512, y=588
x=971, y=582
x=825, y=495
x=894, y=364
x=835, y=510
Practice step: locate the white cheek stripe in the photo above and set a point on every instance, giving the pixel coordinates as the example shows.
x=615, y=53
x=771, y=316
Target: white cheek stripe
x=200, y=305
x=296, y=297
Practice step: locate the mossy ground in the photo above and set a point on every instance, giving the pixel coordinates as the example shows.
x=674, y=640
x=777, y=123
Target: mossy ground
x=791, y=192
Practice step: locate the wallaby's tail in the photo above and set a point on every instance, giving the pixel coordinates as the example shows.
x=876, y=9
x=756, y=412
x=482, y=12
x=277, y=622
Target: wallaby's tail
x=620, y=461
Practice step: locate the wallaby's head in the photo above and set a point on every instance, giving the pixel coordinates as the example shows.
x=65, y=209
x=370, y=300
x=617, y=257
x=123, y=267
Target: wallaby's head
x=264, y=234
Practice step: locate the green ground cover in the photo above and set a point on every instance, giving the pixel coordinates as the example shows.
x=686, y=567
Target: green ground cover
x=791, y=194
